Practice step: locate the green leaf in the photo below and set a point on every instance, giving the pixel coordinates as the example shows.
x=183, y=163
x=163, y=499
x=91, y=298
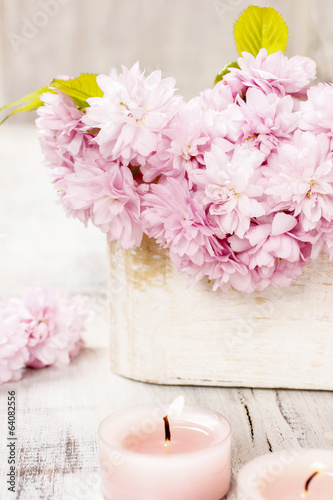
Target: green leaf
x=80, y=89
x=260, y=27
x=225, y=70
x=29, y=102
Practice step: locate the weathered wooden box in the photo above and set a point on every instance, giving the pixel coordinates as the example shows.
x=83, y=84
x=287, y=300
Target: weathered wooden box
x=167, y=333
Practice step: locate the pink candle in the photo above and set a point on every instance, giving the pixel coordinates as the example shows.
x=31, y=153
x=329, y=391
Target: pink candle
x=137, y=462
x=288, y=475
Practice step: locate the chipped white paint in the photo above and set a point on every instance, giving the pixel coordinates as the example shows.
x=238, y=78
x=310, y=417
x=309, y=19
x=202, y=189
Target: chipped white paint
x=164, y=332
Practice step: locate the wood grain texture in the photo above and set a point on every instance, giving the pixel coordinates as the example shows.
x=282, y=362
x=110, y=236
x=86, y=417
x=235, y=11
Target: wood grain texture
x=165, y=332
x=59, y=411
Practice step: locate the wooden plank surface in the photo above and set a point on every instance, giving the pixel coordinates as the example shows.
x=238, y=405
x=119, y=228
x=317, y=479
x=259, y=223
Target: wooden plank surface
x=59, y=409
x=59, y=412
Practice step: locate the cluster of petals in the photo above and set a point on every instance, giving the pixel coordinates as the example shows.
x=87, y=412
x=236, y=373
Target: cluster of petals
x=40, y=329
x=237, y=183
x=13, y=343
x=108, y=192
x=272, y=73
x=60, y=123
x=131, y=114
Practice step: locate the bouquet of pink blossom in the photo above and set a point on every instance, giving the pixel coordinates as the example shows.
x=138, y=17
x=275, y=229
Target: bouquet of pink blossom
x=237, y=183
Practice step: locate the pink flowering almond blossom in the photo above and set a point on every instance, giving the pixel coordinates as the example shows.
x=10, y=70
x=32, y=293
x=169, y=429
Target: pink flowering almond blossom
x=132, y=113
x=63, y=140
x=271, y=251
x=219, y=267
x=225, y=124
x=300, y=178
x=266, y=119
x=172, y=216
x=224, y=270
x=13, y=343
x=216, y=98
x=53, y=325
x=273, y=73
x=62, y=178
x=231, y=189
x=322, y=241
x=61, y=127
x=281, y=274
x=317, y=111
x=182, y=144
x=59, y=176
x=110, y=193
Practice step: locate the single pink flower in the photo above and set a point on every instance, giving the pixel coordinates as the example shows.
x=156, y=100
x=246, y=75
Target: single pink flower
x=225, y=124
x=316, y=113
x=224, y=270
x=231, y=189
x=323, y=239
x=271, y=251
x=272, y=73
x=216, y=98
x=172, y=216
x=61, y=128
x=13, y=343
x=108, y=191
x=266, y=119
x=182, y=144
x=299, y=178
x=131, y=114
x=54, y=326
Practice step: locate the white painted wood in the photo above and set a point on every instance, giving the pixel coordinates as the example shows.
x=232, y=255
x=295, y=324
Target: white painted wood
x=59, y=411
x=164, y=332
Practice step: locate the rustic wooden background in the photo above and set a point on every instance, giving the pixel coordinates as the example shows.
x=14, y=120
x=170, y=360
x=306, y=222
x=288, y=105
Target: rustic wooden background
x=189, y=39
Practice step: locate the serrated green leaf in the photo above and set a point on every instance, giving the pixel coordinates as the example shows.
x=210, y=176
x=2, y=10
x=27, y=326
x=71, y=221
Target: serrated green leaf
x=260, y=27
x=80, y=89
x=225, y=70
x=29, y=102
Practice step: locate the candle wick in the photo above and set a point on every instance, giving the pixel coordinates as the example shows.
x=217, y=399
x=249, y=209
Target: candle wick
x=307, y=484
x=167, y=429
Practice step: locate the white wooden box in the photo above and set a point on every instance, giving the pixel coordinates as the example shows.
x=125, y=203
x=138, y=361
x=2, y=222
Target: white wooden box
x=167, y=333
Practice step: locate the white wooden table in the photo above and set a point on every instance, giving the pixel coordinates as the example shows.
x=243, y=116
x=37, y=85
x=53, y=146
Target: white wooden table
x=59, y=409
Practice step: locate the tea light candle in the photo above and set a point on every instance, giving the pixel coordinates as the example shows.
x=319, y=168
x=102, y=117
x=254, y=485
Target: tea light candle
x=288, y=475
x=147, y=453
